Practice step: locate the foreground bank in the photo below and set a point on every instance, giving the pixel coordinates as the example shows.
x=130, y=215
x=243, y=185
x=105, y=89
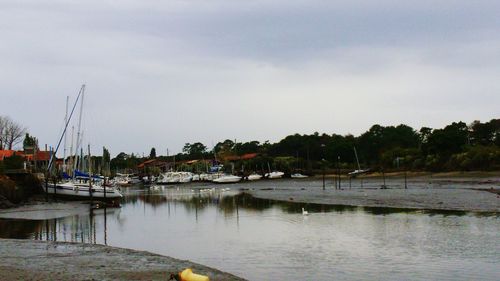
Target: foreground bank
x=37, y=260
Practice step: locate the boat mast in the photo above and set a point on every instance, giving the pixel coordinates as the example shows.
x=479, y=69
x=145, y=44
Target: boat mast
x=73, y=159
x=65, y=136
x=78, y=137
x=51, y=161
x=357, y=160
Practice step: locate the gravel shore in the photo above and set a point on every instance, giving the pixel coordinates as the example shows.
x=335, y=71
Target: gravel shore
x=38, y=260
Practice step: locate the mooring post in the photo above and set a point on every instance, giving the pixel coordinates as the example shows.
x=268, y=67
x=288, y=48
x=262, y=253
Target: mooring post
x=90, y=177
x=47, y=187
x=55, y=188
x=338, y=171
x=323, y=176
x=104, y=186
x=406, y=186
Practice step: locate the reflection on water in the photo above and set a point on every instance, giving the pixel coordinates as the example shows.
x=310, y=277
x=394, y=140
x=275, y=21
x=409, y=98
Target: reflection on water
x=78, y=228
x=266, y=240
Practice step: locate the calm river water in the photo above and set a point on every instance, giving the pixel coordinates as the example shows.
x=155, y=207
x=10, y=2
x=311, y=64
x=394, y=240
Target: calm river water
x=266, y=240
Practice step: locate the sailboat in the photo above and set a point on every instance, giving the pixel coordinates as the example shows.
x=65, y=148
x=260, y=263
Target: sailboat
x=298, y=175
x=254, y=177
x=80, y=185
x=227, y=178
x=359, y=170
x=274, y=174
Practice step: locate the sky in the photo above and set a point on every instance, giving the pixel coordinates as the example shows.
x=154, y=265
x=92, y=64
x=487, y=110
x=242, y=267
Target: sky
x=165, y=73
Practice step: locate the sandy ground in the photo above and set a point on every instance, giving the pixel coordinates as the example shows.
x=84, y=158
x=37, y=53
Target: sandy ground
x=37, y=260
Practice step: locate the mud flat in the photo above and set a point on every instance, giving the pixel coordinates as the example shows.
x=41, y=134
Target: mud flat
x=420, y=194
x=37, y=260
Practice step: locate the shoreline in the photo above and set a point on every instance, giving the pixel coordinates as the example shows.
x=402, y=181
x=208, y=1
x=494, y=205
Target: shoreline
x=41, y=260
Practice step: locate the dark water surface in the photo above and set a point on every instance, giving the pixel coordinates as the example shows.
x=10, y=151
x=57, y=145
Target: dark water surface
x=266, y=240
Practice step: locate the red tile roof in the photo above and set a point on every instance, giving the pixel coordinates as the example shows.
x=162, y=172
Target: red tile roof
x=40, y=155
x=242, y=157
x=6, y=153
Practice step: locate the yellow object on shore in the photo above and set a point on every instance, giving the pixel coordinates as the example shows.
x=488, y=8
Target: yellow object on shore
x=188, y=275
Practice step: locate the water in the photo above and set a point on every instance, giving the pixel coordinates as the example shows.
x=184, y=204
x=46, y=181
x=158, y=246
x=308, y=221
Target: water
x=266, y=240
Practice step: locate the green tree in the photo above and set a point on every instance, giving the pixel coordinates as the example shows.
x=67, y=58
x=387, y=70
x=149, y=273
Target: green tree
x=195, y=150
x=14, y=162
x=152, y=154
x=484, y=133
x=445, y=142
x=30, y=142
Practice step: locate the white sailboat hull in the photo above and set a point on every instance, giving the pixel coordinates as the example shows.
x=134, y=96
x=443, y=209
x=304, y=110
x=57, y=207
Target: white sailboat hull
x=275, y=175
x=227, y=179
x=82, y=191
x=254, y=177
x=298, y=176
x=358, y=172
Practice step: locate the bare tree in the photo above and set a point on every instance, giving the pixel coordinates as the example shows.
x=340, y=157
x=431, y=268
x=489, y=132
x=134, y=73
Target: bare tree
x=2, y=130
x=11, y=133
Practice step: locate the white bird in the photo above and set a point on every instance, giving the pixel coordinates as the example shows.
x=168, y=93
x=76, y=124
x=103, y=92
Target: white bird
x=304, y=212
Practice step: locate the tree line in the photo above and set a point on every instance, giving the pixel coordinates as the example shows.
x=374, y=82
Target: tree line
x=455, y=147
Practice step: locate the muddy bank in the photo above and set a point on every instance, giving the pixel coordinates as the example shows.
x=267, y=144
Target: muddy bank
x=19, y=190
x=37, y=260
x=420, y=194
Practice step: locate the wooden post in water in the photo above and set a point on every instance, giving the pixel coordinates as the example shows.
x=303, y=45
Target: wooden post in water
x=323, y=175
x=55, y=187
x=338, y=171
x=105, y=227
x=47, y=187
x=406, y=186
x=90, y=178
x=383, y=178
x=104, y=183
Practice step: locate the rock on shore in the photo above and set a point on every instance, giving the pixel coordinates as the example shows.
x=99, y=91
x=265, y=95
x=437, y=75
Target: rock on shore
x=38, y=260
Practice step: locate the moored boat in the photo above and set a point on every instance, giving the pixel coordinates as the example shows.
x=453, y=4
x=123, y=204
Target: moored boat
x=227, y=179
x=254, y=177
x=274, y=175
x=298, y=176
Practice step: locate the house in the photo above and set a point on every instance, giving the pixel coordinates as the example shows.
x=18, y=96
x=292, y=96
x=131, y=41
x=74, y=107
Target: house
x=6, y=154
x=33, y=159
x=152, y=163
x=247, y=156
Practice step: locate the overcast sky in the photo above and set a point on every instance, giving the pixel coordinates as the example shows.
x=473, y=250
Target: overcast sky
x=163, y=73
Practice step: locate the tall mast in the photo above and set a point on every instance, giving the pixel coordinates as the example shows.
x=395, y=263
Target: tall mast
x=357, y=160
x=78, y=137
x=73, y=159
x=65, y=136
x=49, y=166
